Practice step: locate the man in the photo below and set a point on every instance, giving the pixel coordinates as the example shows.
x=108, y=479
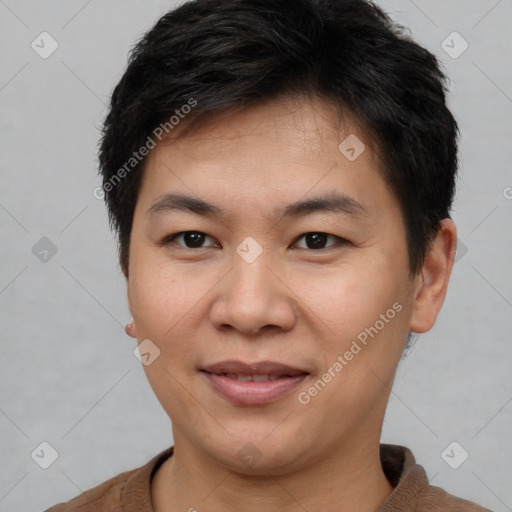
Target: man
x=280, y=175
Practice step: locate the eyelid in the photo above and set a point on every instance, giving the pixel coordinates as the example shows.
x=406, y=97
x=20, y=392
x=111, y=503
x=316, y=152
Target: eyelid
x=170, y=239
x=338, y=240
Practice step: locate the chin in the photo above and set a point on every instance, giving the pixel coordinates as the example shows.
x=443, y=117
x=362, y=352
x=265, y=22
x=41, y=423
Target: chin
x=249, y=454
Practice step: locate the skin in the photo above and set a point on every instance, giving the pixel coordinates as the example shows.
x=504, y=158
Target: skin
x=297, y=305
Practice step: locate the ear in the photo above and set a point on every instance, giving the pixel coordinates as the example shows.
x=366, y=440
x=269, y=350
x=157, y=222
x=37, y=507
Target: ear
x=432, y=281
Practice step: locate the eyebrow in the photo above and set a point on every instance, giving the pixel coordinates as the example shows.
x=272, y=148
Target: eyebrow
x=333, y=202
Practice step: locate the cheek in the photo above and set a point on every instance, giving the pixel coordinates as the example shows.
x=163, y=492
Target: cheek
x=367, y=315
x=170, y=303
x=366, y=309
x=353, y=296
x=167, y=306
x=162, y=296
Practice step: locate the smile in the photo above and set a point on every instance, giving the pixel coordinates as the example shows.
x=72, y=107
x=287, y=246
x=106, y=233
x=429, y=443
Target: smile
x=252, y=384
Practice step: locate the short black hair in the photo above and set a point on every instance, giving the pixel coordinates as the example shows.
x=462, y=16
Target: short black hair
x=209, y=56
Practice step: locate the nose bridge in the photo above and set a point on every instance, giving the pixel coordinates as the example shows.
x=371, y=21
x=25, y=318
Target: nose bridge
x=252, y=297
x=252, y=279
x=250, y=274
x=251, y=290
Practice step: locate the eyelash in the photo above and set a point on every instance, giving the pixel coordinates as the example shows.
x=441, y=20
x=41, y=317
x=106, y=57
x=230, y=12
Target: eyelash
x=171, y=240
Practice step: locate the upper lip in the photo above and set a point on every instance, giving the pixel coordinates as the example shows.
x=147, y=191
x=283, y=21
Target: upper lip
x=255, y=368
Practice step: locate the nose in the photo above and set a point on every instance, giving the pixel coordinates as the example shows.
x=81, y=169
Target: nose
x=252, y=299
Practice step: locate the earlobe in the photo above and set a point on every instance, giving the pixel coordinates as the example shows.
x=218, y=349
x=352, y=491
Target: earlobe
x=130, y=329
x=432, y=282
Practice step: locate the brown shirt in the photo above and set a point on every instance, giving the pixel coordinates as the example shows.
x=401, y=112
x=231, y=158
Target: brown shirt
x=131, y=491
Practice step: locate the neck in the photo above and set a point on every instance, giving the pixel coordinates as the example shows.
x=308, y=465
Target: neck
x=348, y=479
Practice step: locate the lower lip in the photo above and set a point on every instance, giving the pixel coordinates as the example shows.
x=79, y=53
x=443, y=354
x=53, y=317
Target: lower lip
x=248, y=392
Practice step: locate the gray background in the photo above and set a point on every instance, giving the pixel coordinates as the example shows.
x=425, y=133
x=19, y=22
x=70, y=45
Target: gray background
x=68, y=373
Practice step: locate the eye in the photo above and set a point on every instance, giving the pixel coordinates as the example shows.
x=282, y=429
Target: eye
x=190, y=240
x=317, y=240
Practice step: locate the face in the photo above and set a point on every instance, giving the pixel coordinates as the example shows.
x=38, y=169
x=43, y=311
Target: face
x=260, y=251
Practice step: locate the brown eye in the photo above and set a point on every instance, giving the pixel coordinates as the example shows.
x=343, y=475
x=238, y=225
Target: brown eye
x=317, y=240
x=190, y=239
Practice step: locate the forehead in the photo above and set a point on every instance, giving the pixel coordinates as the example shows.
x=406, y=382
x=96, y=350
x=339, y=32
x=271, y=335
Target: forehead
x=307, y=125
x=284, y=149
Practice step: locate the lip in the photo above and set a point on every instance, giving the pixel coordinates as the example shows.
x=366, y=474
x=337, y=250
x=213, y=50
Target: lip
x=253, y=392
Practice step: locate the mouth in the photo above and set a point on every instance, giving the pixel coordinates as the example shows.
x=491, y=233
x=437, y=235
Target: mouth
x=253, y=383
